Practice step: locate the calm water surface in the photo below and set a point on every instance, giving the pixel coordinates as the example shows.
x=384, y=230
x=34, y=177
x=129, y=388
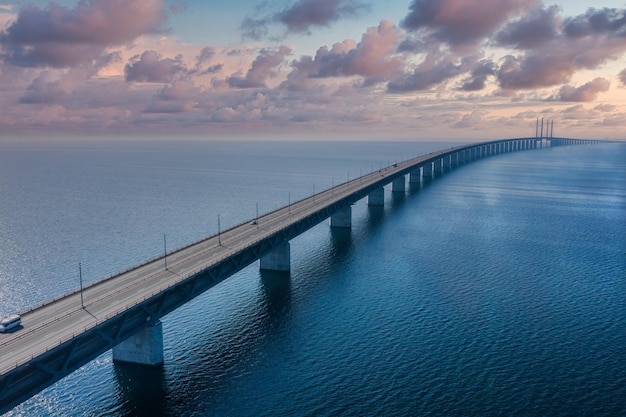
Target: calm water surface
x=498, y=289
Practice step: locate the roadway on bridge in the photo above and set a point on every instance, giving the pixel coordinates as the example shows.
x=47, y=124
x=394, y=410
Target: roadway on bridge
x=55, y=322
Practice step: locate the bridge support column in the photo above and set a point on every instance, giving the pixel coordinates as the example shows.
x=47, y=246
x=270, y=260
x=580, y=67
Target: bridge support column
x=463, y=157
x=142, y=348
x=279, y=259
x=342, y=218
x=376, y=197
x=427, y=171
x=437, y=167
x=415, y=176
x=454, y=160
x=398, y=185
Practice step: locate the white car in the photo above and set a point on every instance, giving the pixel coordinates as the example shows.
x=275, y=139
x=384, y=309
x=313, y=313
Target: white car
x=10, y=322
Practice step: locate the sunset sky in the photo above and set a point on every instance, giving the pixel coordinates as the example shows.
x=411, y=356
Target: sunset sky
x=398, y=69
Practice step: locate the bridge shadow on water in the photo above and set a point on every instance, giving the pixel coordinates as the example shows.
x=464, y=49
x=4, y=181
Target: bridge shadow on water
x=276, y=292
x=142, y=389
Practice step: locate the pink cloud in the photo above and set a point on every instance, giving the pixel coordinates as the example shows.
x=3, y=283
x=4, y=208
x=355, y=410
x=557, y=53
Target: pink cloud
x=374, y=57
x=306, y=13
x=534, y=29
x=44, y=89
x=301, y=16
x=460, y=22
x=586, y=92
x=583, y=42
x=62, y=37
x=555, y=62
x=435, y=70
x=264, y=67
x=150, y=67
x=179, y=97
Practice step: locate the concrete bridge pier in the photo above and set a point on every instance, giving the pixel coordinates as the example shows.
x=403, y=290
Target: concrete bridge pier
x=279, y=259
x=437, y=167
x=143, y=348
x=464, y=157
x=447, y=164
x=415, y=176
x=376, y=197
x=398, y=185
x=454, y=160
x=342, y=218
x=427, y=172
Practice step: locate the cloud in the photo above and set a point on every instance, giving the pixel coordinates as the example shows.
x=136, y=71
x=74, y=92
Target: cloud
x=373, y=58
x=301, y=16
x=306, y=13
x=149, y=67
x=264, y=67
x=225, y=114
x=596, y=22
x=555, y=62
x=471, y=120
x=45, y=89
x=61, y=37
x=462, y=22
x=433, y=71
x=478, y=78
x=57, y=86
x=179, y=97
x=586, y=41
x=205, y=55
x=584, y=93
x=536, y=28
x=622, y=77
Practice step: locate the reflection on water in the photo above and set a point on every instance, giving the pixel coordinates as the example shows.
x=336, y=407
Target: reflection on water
x=142, y=390
x=276, y=292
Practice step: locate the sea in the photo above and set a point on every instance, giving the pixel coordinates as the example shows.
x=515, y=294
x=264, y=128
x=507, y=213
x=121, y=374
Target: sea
x=497, y=289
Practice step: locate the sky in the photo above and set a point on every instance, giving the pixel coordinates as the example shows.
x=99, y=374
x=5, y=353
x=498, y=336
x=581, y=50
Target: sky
x=309, y=69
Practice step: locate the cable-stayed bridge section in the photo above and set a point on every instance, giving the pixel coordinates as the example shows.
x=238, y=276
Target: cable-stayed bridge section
x=123, y=312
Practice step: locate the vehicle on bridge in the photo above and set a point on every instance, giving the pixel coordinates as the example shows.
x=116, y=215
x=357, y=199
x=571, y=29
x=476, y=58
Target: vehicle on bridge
x=10, y=323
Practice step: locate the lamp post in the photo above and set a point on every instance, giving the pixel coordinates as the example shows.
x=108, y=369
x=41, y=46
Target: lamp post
x=80, y=275
x=165, y=249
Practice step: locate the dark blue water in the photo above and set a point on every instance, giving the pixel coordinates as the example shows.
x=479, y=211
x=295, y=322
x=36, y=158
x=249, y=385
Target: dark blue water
x=498, y=289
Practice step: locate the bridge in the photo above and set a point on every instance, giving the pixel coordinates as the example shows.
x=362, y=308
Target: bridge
x=123, y=312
